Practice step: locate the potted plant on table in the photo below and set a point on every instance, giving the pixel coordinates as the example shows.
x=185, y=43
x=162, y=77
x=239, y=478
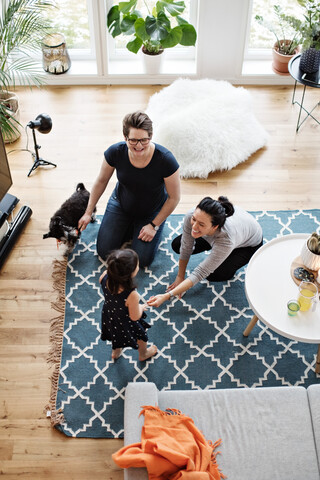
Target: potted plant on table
x=310, y=253
x=309, y=30
x=161, y=28
x=22, y=27
x=287, y=40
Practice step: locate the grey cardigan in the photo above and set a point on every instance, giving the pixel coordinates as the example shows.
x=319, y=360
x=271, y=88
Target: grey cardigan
x=239, y=230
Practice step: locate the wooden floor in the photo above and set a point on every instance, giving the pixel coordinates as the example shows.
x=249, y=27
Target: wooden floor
x=86, y=120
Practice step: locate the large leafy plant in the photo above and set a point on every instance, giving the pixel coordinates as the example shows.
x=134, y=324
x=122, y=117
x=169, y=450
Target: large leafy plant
x=308, y=27
x=22, y=27
x=287, y=39
x=156, y=31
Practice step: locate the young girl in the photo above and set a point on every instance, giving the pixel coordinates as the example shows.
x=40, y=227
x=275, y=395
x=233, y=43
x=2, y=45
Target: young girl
x=122, y=315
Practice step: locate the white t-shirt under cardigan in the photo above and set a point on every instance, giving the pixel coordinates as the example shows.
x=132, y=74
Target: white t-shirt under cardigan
x=239, y=230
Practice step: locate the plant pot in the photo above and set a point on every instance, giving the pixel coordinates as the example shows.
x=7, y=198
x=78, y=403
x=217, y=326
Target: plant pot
x=152, y=62
x=309, y=259
x=11, y=102
x=310, y=61
x=280, y=61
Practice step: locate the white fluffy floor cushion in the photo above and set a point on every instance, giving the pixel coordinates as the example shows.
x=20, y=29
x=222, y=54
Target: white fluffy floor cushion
x=207, y=124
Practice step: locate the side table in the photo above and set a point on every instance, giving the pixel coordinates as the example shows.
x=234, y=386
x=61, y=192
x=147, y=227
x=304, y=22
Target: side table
x=307, y=80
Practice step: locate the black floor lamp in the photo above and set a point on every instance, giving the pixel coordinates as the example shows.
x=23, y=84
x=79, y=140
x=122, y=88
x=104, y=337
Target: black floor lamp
x=43, y=124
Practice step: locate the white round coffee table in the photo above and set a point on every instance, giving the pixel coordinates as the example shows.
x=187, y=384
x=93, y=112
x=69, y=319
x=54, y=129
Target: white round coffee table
x=269, y=285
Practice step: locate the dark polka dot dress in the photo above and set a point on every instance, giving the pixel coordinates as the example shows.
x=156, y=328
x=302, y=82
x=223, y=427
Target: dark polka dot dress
x=116, y=325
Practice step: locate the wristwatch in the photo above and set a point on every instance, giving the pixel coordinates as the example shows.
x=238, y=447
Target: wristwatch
x=154, y=226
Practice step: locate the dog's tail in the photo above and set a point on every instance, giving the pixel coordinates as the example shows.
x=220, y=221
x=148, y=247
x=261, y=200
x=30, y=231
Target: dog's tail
x=80, y=186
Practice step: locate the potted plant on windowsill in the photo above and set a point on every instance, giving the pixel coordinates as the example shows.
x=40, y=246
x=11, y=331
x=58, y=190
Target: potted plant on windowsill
x=287, y=40
x=309, y=30
x=161, y=28
x=22, y=27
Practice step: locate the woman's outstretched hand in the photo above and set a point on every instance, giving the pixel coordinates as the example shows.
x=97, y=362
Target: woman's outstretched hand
x=157, y=300
x=178, y=280
x=84, y=221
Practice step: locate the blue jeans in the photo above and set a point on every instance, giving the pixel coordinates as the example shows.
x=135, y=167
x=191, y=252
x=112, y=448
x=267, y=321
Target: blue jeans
x=118, y=227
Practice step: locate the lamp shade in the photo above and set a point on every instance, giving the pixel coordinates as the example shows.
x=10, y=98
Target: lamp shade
x=42, y=123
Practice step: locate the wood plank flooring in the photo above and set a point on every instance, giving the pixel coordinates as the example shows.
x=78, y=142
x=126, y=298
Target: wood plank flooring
x=86, y=120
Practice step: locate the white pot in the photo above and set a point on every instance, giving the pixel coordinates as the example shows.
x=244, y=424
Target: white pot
x=309, y=259
x=152, y=63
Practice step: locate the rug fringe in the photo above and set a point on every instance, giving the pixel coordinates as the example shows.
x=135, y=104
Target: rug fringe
x=56, y=338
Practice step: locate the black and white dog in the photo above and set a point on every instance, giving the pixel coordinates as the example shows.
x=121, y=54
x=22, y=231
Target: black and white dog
x=64, y=223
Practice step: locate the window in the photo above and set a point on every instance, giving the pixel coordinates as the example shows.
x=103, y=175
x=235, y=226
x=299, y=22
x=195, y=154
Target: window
x=260, y=39
x=71, y=18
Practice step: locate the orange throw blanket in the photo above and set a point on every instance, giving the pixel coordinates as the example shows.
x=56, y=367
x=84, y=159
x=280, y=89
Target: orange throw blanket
x=171, y=448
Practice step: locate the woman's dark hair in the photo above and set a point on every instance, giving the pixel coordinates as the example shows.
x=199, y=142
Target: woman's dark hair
x=137, y=120
x=120, y=266
x=218, y=210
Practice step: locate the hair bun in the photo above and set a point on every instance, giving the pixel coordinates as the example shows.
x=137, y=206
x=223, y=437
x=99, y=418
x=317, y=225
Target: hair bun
x=227, y=205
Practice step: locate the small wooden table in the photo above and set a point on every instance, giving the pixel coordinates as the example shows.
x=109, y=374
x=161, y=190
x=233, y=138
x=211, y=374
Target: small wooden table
x=269, y=285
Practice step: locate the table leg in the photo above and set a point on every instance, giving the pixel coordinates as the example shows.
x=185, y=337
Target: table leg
x=318, y=360
x=250, y=326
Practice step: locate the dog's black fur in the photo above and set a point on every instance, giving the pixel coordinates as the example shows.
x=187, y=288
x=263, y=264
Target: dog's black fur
x=64, y=223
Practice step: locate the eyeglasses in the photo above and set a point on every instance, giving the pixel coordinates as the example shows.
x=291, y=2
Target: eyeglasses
x=135, y=141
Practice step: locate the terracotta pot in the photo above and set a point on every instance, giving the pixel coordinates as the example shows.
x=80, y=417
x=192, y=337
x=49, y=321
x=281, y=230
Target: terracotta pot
x=309, y=259
x=280, y=61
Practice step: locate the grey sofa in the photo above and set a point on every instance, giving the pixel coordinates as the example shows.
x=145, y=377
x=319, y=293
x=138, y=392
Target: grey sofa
x=267, y=433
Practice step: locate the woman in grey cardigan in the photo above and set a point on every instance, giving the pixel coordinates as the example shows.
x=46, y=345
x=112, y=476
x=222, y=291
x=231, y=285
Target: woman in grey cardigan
x=230, y=233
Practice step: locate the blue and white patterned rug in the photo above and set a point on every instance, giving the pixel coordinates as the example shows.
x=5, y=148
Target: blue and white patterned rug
x=199, y=337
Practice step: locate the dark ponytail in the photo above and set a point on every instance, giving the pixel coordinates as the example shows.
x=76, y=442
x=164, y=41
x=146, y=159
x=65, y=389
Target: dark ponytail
x=218, y=210
x=120, y=266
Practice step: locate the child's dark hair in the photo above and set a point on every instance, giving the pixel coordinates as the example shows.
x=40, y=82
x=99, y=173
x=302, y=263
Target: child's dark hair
x=120, y=266
x=218, y=210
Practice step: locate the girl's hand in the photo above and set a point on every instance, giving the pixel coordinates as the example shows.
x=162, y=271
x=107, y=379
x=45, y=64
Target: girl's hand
x=147, y=233
x=157, y=300
x=144, y=307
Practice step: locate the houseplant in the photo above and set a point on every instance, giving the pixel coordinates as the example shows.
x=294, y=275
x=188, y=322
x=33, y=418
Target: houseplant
x=22, y=27
x=161, y=28
x=310, y=253
x=309, y=31
x=287, y=40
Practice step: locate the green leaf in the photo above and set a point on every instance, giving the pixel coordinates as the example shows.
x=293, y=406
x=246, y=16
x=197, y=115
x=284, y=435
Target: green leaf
x=113, y=21
x=157, y=28
x=135, y=45
x=127, y=24
x=189, y=35
x=126, y=7
x=173, y=8
x=140, y=28
x=173, y=38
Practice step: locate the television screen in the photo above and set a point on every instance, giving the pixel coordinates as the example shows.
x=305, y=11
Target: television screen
x=5, y=175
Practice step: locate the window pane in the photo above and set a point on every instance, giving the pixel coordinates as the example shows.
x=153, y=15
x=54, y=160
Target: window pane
x=71, y=19
x=260, y=37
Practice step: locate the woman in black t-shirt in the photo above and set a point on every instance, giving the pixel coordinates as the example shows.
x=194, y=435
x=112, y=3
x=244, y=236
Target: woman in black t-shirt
x=147, y=191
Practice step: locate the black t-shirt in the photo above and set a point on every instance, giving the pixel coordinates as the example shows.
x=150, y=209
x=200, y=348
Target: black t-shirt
x=141, y=191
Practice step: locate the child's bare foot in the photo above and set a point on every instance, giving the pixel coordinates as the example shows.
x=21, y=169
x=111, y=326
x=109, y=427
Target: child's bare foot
x=116, y=353
x=149, y=352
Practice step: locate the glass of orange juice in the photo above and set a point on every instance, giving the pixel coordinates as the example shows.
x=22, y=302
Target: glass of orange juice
x=308, y=296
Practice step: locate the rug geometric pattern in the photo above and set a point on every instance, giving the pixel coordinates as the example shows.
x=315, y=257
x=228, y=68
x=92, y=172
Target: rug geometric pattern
x=199, y=337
